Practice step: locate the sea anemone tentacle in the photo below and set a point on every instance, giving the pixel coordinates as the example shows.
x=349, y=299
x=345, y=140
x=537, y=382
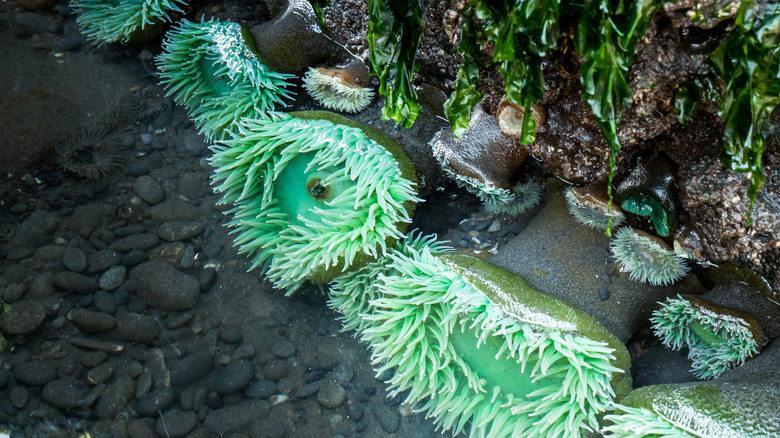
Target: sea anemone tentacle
x=339, y=88
x=646, y=258
x=590, y=206
x=717, y=338
x=213, y=70
x=123, y=21
x=472, y=344
x=747, y=407
x=311, y=197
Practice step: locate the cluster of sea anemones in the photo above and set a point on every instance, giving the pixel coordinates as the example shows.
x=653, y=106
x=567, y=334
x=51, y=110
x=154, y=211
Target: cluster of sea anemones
x=90, y=154
x=124, y=21
x=213, y=69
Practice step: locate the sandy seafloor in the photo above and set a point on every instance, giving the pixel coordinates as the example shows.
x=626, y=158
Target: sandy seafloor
x=243, y=359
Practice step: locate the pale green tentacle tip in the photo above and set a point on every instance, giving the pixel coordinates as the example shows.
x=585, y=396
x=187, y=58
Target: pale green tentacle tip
x=646, y=258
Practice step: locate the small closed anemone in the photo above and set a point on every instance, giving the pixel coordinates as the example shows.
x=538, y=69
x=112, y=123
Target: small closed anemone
x=646, y=258
x=340, y=88
x=213, y=69
x=723, y=409
x=590, y=206
x=124, y=21
x=472, y=344
x=717, y=338
x=312, y=196
x=485, y=162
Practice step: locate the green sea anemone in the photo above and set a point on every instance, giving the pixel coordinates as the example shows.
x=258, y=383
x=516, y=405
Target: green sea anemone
x=471, y=343
x=511, y=202
x=646, y=258
x=312, y=197
x=123, y=21
x=590, y=206
x=651, y=190
x=722, y=409
x=213, y=69
x=339, y=88
x=717, y=338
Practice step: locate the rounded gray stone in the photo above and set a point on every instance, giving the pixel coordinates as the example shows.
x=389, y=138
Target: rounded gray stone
x=176, y=423
x=233, y=377
x=163, y=287
x=331, y=395
x=148, y=189
x=91, y=321
x=113, y=278
x=65, y=393
x=22, y=317
x=141, y=241
x=36, y=372
x=179, y=230
x=75, y=282
x=283, y=348
x=74, y=260
x=192, y=368
x=132, y=327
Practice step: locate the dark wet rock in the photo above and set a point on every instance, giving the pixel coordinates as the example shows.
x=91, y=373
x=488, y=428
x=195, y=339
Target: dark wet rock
x=159, y=400
x=176, y=424
x=388, y=418
x=42, y=286
x=293, y=41
x=93, y=358
x=275, y=370
x=13, y=293
x=74, y=260
x=244, y=351
x=143, y=384
x=22, y=317
x=36, y=372
x=65, y=393
x=141, y=428
x=307, y=390
x=19, y=396
x=75, y=282
x=104, y=302
x=191, y=184
x=129, y=230
x=283, y=348
x=91, y=321
x=100, y=373
x=142, y=241
x=179, y=230
x=113, y=278
x=233, y=377
x=101, y=260
x=132, y=327
x=267, y=428
x=115, y=398
x=192, y=368
x=261, y=389
x=174, y=210
x=163, y=287
x=331, y=395
x=231, y=334
x=134, y=257
x=235, y=417
x=148, y=189
x=206, y=277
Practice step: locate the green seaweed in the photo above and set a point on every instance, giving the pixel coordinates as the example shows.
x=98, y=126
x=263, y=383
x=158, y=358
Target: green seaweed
x=317, y=5
x=394, y=32
x=606, y=37
x=521, y=32
x=689, y=96
x=749, y=61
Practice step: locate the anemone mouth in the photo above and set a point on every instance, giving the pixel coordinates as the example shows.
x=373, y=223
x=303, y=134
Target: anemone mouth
x=717, y=340
x=122, y=21
x=332, y=89
x=645, y=259
x=309, y=196
x=212, y=69
x=467, y=360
